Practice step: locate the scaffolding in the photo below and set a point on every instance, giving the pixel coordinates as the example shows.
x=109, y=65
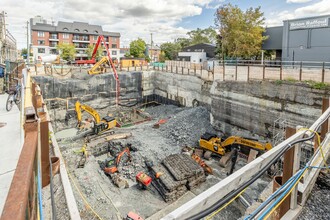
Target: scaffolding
x=279, y=127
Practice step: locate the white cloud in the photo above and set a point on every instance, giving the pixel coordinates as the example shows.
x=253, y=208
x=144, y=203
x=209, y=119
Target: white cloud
x=314, y=9
x=319, y=8
x=297, y=1
x=129, y=17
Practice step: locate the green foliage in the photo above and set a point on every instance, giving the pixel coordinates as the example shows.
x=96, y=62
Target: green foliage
x=127, y=55
x=67, y=51
x=198, y=36
x=279, y=82
x=317, y=85
x=290, y=79
x=90, y=49
x=162, y=57
x=240, y=32
x=170, y=50
x=24, y=51
x=137, y=48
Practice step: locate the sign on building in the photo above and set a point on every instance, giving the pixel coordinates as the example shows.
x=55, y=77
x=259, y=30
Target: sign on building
x=309, y=23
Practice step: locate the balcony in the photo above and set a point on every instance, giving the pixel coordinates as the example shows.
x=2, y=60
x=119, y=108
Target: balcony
x=53, y=39
x=80, y=39
x=81, y=55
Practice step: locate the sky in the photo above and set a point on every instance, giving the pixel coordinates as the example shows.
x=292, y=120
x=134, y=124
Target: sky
x=165, y=19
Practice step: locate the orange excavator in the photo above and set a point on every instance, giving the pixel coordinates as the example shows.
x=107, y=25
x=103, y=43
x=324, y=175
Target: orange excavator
x=111, y=165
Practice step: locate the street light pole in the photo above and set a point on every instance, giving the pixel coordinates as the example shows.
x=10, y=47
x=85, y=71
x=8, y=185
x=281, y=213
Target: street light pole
x=27, y=43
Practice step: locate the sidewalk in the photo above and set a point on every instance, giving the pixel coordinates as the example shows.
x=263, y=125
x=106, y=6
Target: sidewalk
x=10, y=146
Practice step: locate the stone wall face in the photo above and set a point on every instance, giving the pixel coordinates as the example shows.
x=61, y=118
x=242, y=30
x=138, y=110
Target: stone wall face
x=96, y=86
x=254, y=106
x=237, y=108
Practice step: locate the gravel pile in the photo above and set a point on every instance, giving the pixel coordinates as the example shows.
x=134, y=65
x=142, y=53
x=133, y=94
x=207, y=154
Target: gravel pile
x=163, y=111
x=318, y=206
x=186, y=127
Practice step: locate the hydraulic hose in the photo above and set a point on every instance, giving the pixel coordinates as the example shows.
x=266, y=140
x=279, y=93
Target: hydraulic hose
x=232, y=194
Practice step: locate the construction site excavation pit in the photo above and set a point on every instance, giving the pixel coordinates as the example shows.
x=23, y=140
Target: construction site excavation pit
x=159, y=122
x=157, y=134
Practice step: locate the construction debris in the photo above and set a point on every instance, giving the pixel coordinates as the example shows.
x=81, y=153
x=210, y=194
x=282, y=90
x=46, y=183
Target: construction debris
x=179, y=173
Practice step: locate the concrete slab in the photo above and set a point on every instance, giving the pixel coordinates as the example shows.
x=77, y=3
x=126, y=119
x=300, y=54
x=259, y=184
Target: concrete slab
x=10, y=147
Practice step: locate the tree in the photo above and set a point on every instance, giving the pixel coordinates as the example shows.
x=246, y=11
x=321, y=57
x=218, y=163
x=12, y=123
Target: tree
x=162, y=57
x=170, y=50
x=137, y=48
x=198, y=36
x=184, y=42
x=67, y=51
x=90, y=49
x=24, y=52
x=240, y=32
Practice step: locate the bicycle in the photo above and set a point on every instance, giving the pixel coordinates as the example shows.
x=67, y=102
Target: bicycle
x=14, y=96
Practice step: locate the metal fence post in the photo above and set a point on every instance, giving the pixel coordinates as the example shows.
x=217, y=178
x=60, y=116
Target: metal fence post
x=281, y=71
x=263, y=71
x=300, y=71
x=248, y=73
x=236, y=70
x=323, y=71
x=182, y=70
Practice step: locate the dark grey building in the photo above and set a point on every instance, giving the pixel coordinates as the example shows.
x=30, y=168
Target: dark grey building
x=304, y=39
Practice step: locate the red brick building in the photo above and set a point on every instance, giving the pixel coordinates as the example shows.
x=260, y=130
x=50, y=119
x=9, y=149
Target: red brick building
x=45, y=37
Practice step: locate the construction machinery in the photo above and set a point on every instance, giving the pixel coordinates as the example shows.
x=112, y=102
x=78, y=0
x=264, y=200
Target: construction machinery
x=213, y=143
x=99, y=66
x=143, y=180
x=100, y=126
x=110, y=165
x=133, y=216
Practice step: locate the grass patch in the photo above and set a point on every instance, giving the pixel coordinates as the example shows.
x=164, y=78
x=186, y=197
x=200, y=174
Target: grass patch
x=278, y=82
x=290, y=79
x=317, y=85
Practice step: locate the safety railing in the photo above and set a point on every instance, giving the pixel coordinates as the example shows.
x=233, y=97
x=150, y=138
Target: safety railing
x=24, y=199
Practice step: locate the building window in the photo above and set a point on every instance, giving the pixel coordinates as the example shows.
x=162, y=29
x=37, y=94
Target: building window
x=76, y=30
x=53, y=44
x=41, y=42
x=65, y=29
x=66, y=36
x=114, y=52
x=114, y=46
x=53, y=51
x=41, y=34
x=85, y=31
x=96, y=32
x=41, y=50
x=114, y=38
x=53, y=36
x=95, y=37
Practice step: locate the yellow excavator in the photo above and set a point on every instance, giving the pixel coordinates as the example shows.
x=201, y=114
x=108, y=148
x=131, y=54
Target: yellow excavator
x=99, y=67
x=215, y=144
x=105, y=124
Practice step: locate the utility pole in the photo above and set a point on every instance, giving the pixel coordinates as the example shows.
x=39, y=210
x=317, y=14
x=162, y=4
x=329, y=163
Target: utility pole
x=151, y=47
x=27, y=43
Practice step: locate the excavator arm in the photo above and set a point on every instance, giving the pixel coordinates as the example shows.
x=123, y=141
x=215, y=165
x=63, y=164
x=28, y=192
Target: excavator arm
x=98, y=67
x=246, y=142
x=215, y=144
x=89, y=110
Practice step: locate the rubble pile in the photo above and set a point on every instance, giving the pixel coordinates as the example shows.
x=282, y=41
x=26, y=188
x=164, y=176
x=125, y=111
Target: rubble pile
x=186, y=127
x=178, y=174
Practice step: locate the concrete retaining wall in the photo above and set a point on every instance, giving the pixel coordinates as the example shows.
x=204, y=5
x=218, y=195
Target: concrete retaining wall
x=240, y=108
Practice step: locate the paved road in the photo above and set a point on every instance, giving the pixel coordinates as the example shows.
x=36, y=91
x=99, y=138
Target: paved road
x=10, y=146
